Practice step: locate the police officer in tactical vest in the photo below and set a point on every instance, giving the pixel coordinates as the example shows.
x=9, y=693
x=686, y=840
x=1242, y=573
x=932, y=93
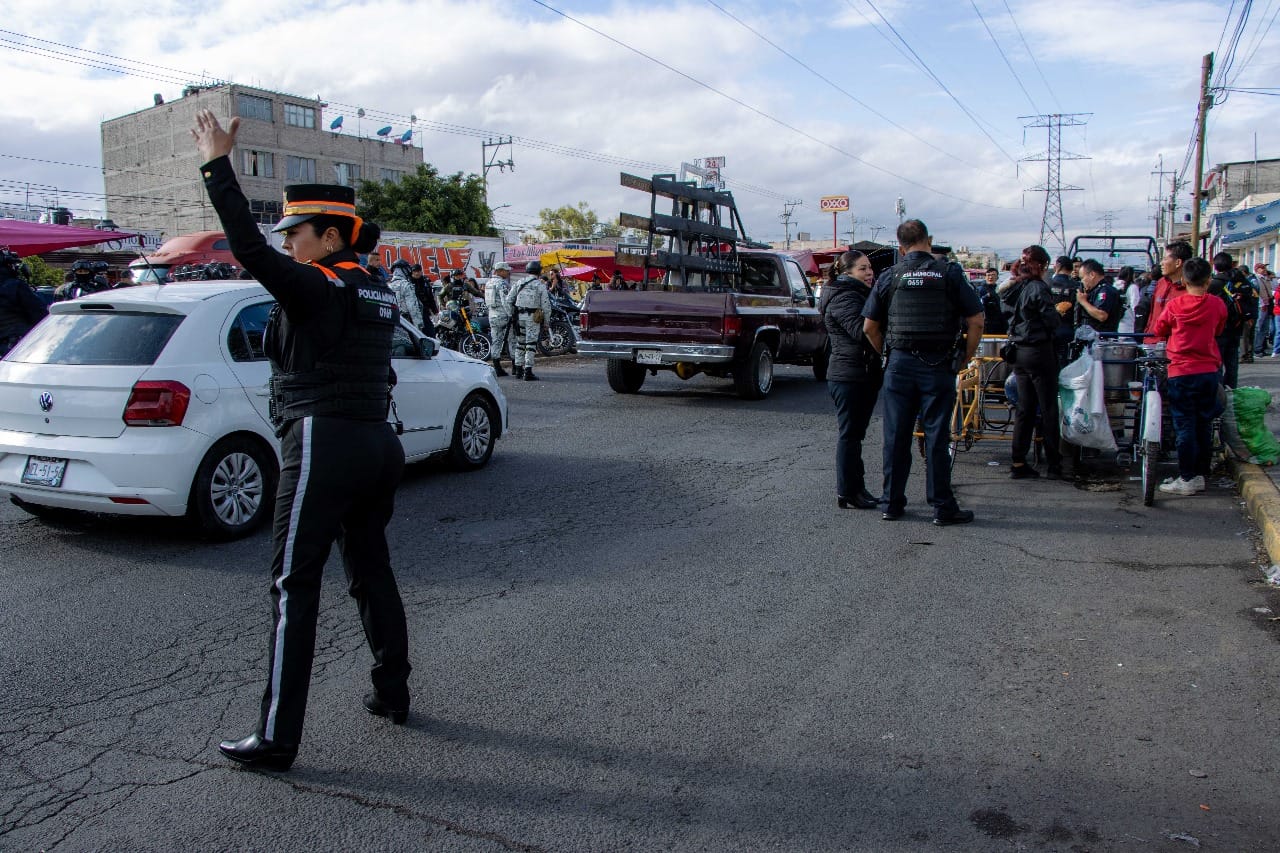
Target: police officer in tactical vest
x=928, y=318
x=329, y=342
x=20, y=308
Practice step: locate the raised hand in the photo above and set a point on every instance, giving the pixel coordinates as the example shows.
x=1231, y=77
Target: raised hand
x=211, y=140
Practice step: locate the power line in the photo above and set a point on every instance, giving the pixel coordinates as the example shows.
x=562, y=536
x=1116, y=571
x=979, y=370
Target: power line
x=937, y=80
x=838, y=87
x=1031, y=54
x=1003, y=56
x=760, y=112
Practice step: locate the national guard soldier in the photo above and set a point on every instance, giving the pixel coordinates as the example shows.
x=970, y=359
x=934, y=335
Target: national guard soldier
x=530, y=305
x=495, y=299
x=329, y=343
x=916, y=311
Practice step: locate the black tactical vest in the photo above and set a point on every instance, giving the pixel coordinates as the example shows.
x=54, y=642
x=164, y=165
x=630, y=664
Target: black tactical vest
x=921, y=317
x=353, y=379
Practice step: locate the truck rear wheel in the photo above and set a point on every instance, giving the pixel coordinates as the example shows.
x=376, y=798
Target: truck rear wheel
x=753, y=378
x=625, y=377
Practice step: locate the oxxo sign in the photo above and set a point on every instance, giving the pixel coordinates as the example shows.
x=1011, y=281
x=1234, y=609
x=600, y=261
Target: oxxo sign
x=833, y=203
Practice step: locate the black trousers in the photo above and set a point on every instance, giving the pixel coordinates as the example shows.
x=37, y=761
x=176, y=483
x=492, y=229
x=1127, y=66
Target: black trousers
x=915, y=388
x=1036, y=373
x=338, y=482
x=854, y=402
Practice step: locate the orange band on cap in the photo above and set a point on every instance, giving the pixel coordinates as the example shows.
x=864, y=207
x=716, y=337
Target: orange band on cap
x=313, y=208
x=355, y=229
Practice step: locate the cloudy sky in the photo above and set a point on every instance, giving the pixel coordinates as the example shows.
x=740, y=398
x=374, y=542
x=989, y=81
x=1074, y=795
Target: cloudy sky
x=876, y=99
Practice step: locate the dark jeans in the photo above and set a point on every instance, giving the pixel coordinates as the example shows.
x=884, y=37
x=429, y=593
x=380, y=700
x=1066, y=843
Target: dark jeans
x=1260, y=335
x=1036, y=373
x=1229, y=347
x=1193, y=401
x=913, y=388
x=854, y=404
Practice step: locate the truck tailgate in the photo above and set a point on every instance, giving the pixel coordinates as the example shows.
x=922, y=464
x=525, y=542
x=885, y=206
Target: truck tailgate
x=658, y=316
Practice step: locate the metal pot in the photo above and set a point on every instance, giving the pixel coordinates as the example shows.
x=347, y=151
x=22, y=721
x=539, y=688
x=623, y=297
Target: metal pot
x=1118, y=367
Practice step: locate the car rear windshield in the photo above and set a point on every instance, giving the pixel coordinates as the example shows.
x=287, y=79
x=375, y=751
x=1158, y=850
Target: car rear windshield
x=117, y=338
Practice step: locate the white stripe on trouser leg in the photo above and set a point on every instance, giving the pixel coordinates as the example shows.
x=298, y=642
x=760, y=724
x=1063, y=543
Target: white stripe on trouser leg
x=295, y=512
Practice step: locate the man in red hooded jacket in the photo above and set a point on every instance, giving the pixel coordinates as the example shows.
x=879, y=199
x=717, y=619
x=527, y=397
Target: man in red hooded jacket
x=1170, y=285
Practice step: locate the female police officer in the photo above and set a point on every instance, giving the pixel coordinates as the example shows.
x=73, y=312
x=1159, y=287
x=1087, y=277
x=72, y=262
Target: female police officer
x=329, y=342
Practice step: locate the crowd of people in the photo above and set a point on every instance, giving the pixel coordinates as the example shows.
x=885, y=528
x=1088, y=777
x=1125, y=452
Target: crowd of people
x=902, y=338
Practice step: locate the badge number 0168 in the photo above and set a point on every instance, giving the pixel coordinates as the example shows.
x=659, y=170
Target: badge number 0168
x=44, y=471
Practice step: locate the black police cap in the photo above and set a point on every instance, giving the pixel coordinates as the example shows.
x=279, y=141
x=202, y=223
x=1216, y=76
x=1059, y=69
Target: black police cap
x=305, y=201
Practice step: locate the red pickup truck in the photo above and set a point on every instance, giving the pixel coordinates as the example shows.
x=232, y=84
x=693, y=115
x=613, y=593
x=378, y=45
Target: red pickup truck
x=721, y=310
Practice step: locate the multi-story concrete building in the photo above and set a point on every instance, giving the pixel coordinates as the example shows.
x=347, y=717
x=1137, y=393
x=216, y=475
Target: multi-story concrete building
x=151, y=165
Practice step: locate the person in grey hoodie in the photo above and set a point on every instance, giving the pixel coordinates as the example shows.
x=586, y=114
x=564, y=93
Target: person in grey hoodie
x=1029, y=304
x=854, y=372
x=402, y=286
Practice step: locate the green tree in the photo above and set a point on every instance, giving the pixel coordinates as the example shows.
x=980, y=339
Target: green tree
x=42, y=275
x=426, y=201
x=568, y=222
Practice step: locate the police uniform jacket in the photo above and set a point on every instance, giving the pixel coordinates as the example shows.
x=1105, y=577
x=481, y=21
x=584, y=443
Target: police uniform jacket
x=958, y=301
x=1106, y=298
x=315, y=315
x=20, y=308
x=852, y=358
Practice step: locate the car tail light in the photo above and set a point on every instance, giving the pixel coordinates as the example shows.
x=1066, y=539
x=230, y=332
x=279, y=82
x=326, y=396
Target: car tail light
x=732, y=326
x=157, y=404
x=582, y=321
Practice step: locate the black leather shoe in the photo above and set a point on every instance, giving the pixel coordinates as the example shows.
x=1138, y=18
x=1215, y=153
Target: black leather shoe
x=960, y=516
x=253, y=751
x=518, y=372
x=374, y=705
x=861, y=500
x=1023, y=472
x=529, y=377
x=497, y=368
x=892, y=514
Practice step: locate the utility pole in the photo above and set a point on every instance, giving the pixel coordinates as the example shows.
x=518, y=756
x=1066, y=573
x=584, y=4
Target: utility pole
x=1160, y=172
x=1174, y=186
x=787, y=208
x=1202, y=115
x=487, y=162
x=1051, y=224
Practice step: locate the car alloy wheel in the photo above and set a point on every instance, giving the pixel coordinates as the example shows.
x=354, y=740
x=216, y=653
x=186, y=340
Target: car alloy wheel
x=236, y=488
x=477, y=432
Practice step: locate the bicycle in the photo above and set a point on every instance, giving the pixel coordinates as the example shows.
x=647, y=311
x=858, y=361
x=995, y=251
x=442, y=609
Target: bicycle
x=1149, y=423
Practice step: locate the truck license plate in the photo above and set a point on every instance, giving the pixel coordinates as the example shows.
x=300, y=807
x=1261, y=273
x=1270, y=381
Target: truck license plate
x=44, y=471
x=648, y=356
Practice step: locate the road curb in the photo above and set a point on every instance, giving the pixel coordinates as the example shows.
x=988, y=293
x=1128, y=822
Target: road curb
x=1262, y=499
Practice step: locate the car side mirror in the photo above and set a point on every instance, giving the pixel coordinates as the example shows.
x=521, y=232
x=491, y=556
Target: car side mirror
x=426, y=347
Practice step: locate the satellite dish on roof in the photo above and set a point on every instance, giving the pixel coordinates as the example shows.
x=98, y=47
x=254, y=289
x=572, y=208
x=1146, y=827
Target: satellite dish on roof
x=386, y=131
x=336, y=124
x=360, y=113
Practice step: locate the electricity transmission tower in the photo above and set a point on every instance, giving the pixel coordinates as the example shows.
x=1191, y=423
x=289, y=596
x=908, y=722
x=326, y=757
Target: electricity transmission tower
x=1052, y=229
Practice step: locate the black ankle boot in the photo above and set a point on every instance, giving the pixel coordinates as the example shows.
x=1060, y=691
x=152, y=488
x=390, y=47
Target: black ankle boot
x=497, y=368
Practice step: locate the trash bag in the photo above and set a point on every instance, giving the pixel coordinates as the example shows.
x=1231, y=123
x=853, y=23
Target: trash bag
x=1082, y=405
x=1250, y=406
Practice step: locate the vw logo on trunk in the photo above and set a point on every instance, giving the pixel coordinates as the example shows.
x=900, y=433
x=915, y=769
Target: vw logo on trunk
x=46, y=401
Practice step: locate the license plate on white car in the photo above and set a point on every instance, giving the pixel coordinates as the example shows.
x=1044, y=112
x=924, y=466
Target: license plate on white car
x=648, y=356
x=44, y=471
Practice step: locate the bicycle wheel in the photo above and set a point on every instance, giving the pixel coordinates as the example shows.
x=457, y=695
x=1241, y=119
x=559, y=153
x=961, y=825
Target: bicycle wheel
x=1150, y=455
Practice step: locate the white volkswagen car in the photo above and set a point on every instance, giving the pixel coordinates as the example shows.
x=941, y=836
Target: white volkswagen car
x=152, y=400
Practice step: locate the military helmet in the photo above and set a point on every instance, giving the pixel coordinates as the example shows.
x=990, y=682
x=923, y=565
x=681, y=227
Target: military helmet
x=533, y=267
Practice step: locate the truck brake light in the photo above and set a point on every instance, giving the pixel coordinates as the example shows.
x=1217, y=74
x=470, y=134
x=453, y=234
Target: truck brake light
x=732, y=326
x=582, y=321
x=157, y=404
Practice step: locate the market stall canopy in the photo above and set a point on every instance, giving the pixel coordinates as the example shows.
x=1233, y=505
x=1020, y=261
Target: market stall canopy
x=585, y=268
x=35, y=238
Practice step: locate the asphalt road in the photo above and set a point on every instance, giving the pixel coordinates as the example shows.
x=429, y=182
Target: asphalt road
x=646, y=625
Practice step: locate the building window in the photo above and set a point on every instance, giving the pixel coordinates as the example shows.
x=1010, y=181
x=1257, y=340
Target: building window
x=391, y=175
x=301, y=169
x=299, y=116
x=346, y=173
x=266, y=212
x=258, y=164
x=251, y=106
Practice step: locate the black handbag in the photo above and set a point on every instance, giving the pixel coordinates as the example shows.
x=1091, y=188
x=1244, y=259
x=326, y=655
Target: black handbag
x=1009, y=352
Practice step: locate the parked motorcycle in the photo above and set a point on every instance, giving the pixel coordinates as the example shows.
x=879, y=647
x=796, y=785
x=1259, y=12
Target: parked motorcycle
x=457, y=331
x=560, y=336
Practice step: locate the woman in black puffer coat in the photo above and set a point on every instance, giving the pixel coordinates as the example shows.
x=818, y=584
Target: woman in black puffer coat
x=854, y=374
